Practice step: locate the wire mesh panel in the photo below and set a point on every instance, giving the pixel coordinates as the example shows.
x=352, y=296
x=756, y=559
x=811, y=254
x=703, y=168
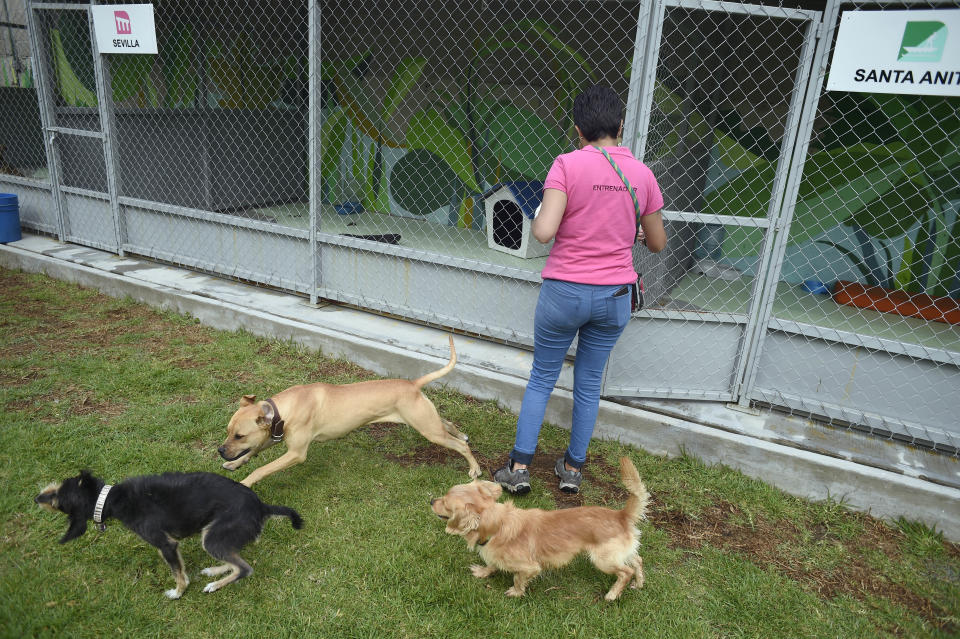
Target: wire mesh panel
x=211, y=140
x=67, y=85
x=440, y=121
x=865, y=324
x=23, y=161
x=21, y=135
x=722, y=87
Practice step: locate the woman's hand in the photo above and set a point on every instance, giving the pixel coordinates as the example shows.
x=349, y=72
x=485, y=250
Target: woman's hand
x=641, y=236
x=545, y=225
x=654, y=235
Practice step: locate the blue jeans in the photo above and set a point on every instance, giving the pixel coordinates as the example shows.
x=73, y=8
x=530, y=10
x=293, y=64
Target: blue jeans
x=563, y=310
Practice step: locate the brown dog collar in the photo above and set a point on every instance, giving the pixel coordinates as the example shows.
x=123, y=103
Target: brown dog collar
x=276, y=424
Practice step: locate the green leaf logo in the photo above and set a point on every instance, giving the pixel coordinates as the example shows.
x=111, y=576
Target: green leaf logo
x=923, y=42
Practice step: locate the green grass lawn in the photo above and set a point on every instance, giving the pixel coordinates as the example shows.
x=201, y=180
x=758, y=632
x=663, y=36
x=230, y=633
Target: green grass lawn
x=88, y=381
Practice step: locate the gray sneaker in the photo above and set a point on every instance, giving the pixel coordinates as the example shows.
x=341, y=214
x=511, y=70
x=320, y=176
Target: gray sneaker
x=569, y=479
x=513, y=481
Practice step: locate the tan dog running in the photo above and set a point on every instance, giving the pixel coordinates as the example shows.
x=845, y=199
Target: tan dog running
x=319, y=412
x=527, y=541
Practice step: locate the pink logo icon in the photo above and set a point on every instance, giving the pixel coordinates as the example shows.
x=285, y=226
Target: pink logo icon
x=122, y=18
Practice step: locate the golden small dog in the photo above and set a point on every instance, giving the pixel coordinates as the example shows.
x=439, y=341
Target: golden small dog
x=319, y=412
x=527, y=541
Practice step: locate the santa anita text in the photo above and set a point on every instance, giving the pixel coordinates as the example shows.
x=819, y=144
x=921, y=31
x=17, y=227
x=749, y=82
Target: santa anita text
x=901, y=76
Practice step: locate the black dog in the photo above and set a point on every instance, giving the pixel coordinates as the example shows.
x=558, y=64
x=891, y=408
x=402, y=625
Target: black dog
x=165, y=508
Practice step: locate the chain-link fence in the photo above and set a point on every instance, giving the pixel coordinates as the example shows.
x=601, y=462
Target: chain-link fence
x=21, y=137
x=22, y=154
x=719, y=96
x=441, y=120
x=391, y=155
x=212, y=131
x=873, y=218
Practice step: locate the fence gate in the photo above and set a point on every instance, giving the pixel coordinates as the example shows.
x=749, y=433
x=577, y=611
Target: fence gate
x=713, y=76
x=75, y=109
x=876, y=202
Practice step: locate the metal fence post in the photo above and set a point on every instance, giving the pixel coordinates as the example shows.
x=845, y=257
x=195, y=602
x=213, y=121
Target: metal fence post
x=313, y=145
x=639, y=98
x=40, y=67
x=108, y=128
x=744, y=382
x=771, y=260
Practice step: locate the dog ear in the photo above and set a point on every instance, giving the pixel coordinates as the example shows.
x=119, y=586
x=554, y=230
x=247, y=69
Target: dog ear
x=463, y=521
x=266, y=413
x=489, y=489
x=246, y=400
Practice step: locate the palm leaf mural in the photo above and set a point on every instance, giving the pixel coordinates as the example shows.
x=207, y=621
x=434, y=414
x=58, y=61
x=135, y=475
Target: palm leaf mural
x=484, y=141
x=537, y=37
x=72, y=89
x=429, y=130
x=130, y=77
x=74, y=72
x=884, y=170
x=178, y=73
x=369, y=120
x=456, y=146
x=333, y=133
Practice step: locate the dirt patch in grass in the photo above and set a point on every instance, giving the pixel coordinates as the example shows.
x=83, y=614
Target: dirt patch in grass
x=79, y=402
x=94, y=322
x=382, y=430
x=19, y=405
x=10, y=378
x=17, y=350
x=719, y=525
x=324, y=369
x=85, y=404
x=332, y=370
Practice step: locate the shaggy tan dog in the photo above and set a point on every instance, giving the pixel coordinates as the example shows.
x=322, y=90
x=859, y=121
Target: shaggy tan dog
x=527, y=541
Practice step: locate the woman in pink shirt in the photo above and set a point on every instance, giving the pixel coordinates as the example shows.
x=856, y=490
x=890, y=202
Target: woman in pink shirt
x=592, y=219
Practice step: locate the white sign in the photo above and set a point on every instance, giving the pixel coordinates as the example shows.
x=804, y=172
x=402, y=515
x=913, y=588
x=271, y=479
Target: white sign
x=913, y=51
x=125, y=28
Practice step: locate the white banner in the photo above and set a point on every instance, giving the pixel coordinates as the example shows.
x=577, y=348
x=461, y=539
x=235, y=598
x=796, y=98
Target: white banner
x=125, y=28
x=912, y=51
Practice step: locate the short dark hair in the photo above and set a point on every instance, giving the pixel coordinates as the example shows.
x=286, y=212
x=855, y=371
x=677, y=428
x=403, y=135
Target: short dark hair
x=598, y=112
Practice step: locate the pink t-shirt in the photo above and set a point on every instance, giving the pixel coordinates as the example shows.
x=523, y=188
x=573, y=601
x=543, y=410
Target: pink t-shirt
x=595, y=238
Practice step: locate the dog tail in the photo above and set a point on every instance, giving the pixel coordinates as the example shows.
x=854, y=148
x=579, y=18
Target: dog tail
x=636, y=507
x=429, y=377
x=282, y=511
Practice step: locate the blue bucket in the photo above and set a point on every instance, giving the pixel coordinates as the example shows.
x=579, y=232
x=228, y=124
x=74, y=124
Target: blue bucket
x=9, y=218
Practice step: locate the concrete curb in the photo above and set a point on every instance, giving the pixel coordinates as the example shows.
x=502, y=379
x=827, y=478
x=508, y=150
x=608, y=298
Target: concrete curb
x=485, y=370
